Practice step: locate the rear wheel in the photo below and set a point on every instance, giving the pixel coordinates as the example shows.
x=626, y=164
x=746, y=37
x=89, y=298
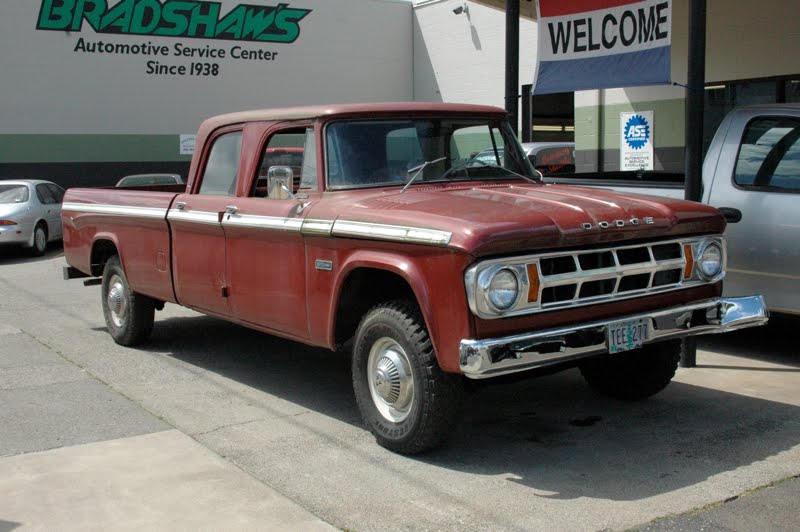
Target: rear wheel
x=636, y=374
x=408, y=403
x=39, y=240
x=129, y=315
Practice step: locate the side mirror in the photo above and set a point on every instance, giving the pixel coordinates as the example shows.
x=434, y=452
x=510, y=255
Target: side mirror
x=279, y=182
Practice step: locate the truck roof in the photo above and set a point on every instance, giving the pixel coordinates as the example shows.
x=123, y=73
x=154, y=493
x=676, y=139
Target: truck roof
x=364, y=110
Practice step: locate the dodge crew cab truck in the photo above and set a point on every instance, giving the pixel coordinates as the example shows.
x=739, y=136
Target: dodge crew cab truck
x=434, y=268
x=751, y=172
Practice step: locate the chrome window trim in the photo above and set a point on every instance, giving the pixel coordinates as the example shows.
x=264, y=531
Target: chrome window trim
x=98, y=208
x=475, y=278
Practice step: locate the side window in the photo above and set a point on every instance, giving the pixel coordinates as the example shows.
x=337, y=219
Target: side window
x=292, y=148
x=219, y=177
x=769, y=156
x=56, y=191
x=44, y=195
x=476, y=142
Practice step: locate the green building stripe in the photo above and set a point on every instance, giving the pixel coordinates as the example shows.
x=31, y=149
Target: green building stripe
x=89, y=148
x=669, y=121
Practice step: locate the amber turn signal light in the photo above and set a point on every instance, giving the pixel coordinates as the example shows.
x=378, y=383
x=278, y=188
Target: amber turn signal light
x=689, y=268
x=533, y=282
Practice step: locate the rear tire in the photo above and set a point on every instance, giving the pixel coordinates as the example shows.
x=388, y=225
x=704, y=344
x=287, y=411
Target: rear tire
x=408, y=403
x=129, y=315
x=39, y=240
x=636, y=374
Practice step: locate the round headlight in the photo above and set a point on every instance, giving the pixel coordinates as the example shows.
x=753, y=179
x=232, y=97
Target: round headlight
x=503, y=289
x=710, y=262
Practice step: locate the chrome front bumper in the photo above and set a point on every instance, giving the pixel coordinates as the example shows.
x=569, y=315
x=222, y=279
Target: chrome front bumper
x=482, y=359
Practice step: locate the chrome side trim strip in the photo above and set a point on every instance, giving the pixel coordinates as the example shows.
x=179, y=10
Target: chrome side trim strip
x=343, y=228
x=395, y=233
x=482, y=359
x=96, y=208
x=201, y=217
x=317, y=227
x=263, y=222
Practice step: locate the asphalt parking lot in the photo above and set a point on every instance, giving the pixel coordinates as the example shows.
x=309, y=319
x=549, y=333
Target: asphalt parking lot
x=212, y=425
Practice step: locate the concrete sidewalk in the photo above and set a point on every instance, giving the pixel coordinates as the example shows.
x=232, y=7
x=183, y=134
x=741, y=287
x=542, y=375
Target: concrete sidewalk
x=159, y=481
x=77, y=455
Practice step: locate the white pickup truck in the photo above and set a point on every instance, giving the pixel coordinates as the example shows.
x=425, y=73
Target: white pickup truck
x=752, y=173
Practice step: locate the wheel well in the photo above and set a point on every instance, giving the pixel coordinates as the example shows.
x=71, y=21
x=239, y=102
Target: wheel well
x=363, y=289
x=102, y=250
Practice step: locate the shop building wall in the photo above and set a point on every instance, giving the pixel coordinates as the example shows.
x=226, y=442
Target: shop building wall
x=461, y=58
x=89, y=118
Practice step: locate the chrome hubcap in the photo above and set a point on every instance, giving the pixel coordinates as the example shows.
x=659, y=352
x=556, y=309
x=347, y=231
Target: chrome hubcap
x=391, y=382
x=39, y=239
x=117, y=304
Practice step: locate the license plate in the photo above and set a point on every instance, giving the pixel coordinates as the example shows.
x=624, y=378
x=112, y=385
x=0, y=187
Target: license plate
x=626, y=335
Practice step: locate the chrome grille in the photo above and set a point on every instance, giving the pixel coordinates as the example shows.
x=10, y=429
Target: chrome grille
x=588, y=275
x=566, y=279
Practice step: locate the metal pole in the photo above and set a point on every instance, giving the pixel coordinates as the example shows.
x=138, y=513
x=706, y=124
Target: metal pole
x=512, y=62
x=693, y=154
x=527, y=114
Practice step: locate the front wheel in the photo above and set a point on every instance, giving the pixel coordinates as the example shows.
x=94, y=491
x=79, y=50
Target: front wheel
x=129, y=315
x=636, y=374
x=408, y=403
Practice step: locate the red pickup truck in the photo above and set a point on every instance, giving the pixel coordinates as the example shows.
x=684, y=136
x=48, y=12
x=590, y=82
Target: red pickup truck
x=432, y=265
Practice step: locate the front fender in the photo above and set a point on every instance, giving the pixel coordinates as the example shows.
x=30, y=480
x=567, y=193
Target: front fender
x=435, y=276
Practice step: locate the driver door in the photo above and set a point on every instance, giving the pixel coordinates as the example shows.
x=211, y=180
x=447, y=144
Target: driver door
x=265, y=256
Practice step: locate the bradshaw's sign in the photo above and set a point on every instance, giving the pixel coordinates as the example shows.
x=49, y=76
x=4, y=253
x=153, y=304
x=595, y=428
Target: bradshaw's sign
x=597, y=44
x=175, y=18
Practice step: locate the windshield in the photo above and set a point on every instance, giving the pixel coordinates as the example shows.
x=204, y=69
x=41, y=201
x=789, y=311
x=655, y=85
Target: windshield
x=13, y=193
x=363, y=153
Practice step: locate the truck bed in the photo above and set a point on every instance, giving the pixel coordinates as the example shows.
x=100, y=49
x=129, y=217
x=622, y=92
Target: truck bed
x=132, y=221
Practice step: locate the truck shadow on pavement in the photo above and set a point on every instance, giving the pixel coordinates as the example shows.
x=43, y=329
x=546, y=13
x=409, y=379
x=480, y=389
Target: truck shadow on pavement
x=551, y=434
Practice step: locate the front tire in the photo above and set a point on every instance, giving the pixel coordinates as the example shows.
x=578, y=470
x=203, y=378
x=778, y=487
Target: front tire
x=408, y=403
x=634, y=375
x=129, y=315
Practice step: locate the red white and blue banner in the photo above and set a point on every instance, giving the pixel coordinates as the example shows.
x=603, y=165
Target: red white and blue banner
x=599, y=44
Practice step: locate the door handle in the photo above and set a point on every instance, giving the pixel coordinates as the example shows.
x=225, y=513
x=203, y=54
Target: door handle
x=229, y=210
x=731, y=215
x=180, y=205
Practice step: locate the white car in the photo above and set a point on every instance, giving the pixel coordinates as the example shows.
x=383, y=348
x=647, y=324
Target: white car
x=30, y=213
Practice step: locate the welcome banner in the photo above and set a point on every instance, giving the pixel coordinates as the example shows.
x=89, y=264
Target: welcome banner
x=598, y=44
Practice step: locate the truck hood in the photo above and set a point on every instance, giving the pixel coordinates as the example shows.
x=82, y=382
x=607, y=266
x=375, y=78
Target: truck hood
x=500, y=218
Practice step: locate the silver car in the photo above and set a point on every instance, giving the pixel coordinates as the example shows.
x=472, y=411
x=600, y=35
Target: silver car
x=549, y=158
x=30, y=213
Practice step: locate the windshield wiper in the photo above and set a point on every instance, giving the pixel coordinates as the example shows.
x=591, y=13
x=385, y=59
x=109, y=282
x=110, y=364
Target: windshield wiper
x=483, y=164
x=419, y=169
